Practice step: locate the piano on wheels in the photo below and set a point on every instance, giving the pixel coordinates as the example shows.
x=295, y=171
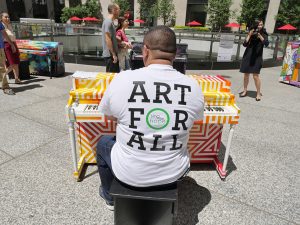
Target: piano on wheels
x=87, y=124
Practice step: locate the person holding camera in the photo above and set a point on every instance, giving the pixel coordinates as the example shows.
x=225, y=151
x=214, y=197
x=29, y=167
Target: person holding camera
x=252, y=60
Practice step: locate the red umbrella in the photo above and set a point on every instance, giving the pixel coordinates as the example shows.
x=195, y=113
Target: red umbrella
x=194, y=23
x=90, y=19
x=138, y=21
x=287, y=27
x=75, y=18
x=232, y=25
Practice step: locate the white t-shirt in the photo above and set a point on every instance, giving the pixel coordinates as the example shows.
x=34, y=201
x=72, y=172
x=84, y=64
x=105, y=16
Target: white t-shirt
x=155, y=106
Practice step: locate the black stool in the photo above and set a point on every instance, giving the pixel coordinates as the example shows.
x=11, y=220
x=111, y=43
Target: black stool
x=142, y=206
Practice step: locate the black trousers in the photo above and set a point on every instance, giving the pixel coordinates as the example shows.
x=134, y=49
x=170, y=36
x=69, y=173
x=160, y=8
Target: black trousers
x=110, y=66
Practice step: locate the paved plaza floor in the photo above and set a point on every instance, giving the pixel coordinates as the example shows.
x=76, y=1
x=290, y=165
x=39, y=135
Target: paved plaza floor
x=37, y=185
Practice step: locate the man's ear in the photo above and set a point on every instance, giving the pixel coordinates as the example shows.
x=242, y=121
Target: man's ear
x=145, y=54
x=145, y=49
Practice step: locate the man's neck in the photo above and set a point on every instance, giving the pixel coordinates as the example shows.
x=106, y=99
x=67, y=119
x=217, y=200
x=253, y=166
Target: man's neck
x=160, y=61
x=111, y=16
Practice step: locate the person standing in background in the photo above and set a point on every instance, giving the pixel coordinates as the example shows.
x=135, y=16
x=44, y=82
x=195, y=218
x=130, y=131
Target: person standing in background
x=252, y=61
x=12, y=58
x=5, y=87
x=124, y=44
x=109, y=40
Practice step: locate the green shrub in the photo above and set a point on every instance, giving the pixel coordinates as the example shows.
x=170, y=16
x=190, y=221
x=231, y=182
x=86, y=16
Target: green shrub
x=191, y=28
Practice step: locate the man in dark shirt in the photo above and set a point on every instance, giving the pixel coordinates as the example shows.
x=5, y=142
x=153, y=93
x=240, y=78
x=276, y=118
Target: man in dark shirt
x=109, y=40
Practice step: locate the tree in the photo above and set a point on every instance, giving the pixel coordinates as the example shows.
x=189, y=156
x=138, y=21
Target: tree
x=93, y=8
x=219, y=13
x=147, y=11
x=124, y=6
x=90, y=8
x=251, y=10
x=289, y=12
x=165, y=10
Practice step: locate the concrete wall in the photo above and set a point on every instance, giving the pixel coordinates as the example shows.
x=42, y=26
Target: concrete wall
x=50, y=7
x=270, y=18
x=104, y=5
x=180, y=8
x=136, y=12
x=3, y=6
x=67, y=3
x=236, y=7
x=28, y=8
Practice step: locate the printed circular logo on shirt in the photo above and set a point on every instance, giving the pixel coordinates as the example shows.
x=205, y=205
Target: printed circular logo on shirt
x=157, y=118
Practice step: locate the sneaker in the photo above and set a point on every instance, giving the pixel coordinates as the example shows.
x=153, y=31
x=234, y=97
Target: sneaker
x=8, y=91
x=109, y=204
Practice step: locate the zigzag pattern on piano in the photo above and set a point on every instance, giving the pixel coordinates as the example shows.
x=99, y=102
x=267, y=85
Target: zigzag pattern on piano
x=204, y=141
x=218, y=98
x=100, y=82
x=88, y=136
x=210, y=83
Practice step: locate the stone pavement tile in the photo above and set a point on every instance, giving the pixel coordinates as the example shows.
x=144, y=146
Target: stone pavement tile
x=39, y=188
x=20, y=135
x=4, y=157
x=43, y=90
x=51, y=112
x=276, y=95
x=197, y=204
x=8, y=103
x=261, y=175
x=72, y=67
x=262, y=112
x=62, y=82
x=269, y=131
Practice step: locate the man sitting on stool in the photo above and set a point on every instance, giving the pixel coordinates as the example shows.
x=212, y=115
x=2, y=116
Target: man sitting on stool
x=155, y=107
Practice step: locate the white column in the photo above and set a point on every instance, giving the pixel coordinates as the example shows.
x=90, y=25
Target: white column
x=235, y=7
x=67, y=3
x=50, y=8
x=180, y=9
x=3, y=6
x=28, y=8
x=271, y=13
x=104, y=5
x=136, y=13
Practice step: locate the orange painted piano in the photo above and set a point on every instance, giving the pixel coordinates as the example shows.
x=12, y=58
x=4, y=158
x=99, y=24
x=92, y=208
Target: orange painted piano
x=87, y=124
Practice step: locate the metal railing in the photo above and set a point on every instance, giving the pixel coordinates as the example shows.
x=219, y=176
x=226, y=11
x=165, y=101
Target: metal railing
x=86, y=40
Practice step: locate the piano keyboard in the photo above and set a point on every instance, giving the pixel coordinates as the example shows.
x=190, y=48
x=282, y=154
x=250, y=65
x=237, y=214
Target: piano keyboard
x=91, y=110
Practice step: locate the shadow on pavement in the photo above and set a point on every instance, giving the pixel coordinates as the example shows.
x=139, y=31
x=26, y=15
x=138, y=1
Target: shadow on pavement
x=192, y=199
x=251, y=94
x=25, y=88
x=33, y=80
x=211, y=166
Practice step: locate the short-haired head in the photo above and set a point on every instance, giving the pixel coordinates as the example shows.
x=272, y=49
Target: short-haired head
x=3, y=14
x=161, y=38
x=111, y=7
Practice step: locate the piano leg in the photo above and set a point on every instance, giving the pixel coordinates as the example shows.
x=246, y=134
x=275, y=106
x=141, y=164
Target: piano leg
x=73, y=147
x=223, y=169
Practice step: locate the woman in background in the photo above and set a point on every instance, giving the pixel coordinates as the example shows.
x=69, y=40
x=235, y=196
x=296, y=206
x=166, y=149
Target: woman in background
x=12, y=58
x=124, y=44
x=252, y=61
